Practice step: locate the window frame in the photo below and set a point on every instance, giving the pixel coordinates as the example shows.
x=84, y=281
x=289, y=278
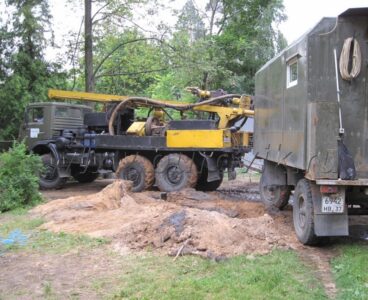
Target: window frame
x=31, y=118
x=293, y=61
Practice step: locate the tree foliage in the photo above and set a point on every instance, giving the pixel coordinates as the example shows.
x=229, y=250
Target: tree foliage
x=25, y=75
x=249, y=38
x=220, y=45
x=237, y=38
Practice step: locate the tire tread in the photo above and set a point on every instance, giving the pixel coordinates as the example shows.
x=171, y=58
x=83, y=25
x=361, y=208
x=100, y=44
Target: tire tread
x=145, y=163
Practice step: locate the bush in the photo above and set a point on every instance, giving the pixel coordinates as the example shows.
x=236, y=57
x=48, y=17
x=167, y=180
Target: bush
x=18, y=178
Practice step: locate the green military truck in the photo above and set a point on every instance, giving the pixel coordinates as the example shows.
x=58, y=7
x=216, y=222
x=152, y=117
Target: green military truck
x=45, y=128
x=311, y=105
x=42, y=130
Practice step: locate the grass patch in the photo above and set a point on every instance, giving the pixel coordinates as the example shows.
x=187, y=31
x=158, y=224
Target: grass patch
x=350, y=270
x=47, y=290
x=40, y=240
x=12, y=221
x=50, y=242
x=279, y=275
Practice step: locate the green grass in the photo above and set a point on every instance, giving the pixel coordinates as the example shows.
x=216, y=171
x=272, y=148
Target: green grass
x=351, y=272
x=279, y=275
x=41, y=240
x=19, y=221
x=62, y=243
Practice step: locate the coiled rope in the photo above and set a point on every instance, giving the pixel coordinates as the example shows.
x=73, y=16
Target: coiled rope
x=345, y=59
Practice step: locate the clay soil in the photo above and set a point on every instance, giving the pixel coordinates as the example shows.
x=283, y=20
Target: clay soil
x=211, y=224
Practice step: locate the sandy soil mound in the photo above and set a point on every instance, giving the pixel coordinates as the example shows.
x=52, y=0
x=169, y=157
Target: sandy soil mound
x=187, y=222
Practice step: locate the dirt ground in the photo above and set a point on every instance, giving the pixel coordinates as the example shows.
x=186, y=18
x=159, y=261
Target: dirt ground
x=187, y=222
x=55, y=276
x=230, y=221
x=215, y=225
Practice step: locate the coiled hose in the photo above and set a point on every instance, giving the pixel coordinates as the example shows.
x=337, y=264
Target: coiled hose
x=155, y=103
x=345, y=59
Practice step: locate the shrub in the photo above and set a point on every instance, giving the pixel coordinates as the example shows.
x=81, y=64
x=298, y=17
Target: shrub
x=18, y=178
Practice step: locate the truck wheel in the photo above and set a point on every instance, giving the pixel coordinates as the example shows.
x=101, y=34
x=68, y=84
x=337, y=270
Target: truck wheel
x=138, y=169
x=303, y=213
x=49, y=176
x=204, y=185
x=274, y=195
x=86, y=177
x=175, y=172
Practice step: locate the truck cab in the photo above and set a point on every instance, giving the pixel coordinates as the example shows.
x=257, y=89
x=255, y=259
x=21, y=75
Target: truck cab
x=45, y=121
x=44, y=128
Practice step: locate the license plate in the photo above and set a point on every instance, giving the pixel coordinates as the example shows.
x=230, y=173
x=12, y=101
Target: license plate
x=333, y=204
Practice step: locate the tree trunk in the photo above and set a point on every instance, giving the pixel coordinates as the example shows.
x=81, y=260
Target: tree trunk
x=88, y=58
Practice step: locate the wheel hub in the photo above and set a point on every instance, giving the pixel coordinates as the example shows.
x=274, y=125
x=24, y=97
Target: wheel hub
x=302, y=212
x=174, y=175
x=133, y=175
x=49, y=172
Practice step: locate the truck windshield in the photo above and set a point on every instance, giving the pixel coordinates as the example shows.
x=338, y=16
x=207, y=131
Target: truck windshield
x=68, y=112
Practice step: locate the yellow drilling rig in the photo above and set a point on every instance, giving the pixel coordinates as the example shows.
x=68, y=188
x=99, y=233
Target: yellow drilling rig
x=193, y=150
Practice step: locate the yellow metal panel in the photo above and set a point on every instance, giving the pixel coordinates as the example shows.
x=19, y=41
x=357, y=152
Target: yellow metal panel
x=137, y=128
x=60, y=94
x=198, y=139
x=227, y=138
x=85, y=96
x=245, y=139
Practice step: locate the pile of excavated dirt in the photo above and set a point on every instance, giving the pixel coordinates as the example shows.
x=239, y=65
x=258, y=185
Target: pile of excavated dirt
x=186, y=222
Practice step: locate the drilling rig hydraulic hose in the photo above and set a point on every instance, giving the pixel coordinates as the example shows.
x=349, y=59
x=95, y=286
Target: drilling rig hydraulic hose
x=351, y=58
x=142, y=101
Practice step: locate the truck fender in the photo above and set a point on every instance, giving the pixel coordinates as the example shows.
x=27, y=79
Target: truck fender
x=46, y=147
x=273, y=174
x=54, y=152
x=213, y=170
x=41, y=147
x=62, y=172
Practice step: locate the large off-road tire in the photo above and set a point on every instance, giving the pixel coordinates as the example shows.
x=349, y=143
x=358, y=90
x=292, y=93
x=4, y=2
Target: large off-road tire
x=274, y=195
x=204, y=185
x=49, y=177
x=303, y=213
x=138, y=169
x=86, y=177
x=175, y=172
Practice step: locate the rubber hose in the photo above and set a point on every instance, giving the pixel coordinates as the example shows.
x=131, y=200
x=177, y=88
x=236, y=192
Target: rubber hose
x=155, y=103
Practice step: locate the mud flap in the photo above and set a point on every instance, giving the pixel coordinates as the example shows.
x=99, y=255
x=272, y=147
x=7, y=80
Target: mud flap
x=347, y=169
x=63, y=173
x=328, y=224
x=213, y=171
